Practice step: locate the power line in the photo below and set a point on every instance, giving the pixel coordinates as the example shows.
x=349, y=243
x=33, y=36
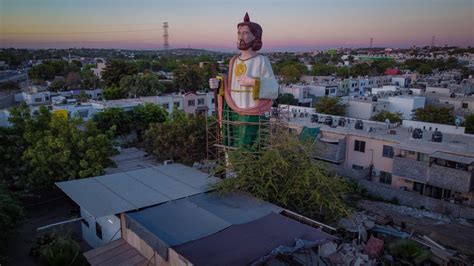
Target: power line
x=77, y=32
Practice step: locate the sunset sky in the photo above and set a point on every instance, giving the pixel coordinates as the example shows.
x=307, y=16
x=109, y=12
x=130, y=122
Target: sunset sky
x=290, y=25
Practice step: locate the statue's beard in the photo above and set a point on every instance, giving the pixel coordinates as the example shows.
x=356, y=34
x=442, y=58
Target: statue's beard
x=245, y=46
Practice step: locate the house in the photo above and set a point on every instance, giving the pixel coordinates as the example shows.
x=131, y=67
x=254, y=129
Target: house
x=170, y=215
x=300, y=92
x=434, y=162
x=405, y=104
x=365, y=107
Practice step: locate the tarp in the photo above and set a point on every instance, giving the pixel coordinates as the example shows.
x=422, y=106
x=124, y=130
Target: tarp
x=309, y=133
x=192, y=218
x=246, y=243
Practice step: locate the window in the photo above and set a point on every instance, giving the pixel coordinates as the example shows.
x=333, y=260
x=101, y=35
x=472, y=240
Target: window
x=418, y=187
x=201, y=101
x=191, y=102
x=213, y=101
x=85, y=222
x=98, y=230
x=176, y=104
x=387, y=151
x=385, y=178
x=357, y=167
x=359, y=145
x=464, y=105
x=166, y=106
x=83, y=113
x=423, y=157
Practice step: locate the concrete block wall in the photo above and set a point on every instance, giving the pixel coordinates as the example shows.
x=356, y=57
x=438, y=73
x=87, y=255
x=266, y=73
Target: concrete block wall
x=413, y=199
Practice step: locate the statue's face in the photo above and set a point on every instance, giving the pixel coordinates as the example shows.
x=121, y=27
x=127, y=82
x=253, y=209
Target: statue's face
x=244, y=38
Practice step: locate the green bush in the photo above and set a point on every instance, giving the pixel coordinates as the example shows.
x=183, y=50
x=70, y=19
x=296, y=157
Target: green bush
x=407, y=250
x=11, y=213
x=57, y=250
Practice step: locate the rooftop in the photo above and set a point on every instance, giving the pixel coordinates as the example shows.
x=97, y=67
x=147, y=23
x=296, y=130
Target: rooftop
x=132, y=190
x=461, y=144
x=180, y=221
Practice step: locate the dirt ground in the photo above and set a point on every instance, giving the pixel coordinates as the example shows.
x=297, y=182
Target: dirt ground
x=37, y=215
x=455, y=234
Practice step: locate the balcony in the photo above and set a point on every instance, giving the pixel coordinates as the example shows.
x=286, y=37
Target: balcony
x=450, y=178
x=330, y=150
x=439, y=176
x=410, y=169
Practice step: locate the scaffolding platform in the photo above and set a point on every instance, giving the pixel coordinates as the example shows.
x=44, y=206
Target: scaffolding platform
x=223, y=134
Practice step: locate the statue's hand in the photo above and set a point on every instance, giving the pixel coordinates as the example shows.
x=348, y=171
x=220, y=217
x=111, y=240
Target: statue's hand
x=246, y=81
x=214, y=83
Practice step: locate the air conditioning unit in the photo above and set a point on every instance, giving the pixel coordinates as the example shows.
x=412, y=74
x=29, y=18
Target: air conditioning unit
x=417, y=133
x=437, y=136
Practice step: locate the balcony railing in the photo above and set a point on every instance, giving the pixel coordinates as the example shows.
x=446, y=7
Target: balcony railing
x=450, y=178
x=410, y=169
x=440, y=176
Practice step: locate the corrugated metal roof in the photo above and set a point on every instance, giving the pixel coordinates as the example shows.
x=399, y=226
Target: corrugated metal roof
x=198, y=216
x=453, y=157
x=132, y=190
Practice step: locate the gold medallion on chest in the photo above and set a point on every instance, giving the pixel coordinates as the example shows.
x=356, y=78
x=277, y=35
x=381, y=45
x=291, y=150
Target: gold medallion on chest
x=240, y=69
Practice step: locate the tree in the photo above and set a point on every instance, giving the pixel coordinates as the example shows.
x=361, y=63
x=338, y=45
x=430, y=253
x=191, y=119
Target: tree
x=11, y=214
x=147, y=114
x=115, y=70
x=285, y=98
x=323, y=69
x=69, y=149
x=181, y=138
x=383, y=115
x=362, y=69
x=11, y=147
x=114, y=93
x=292, y=72
x=57, y=249
x=141, y=85
x=424, y=69
x=88, y=79
x=188, y=78
x=116, y=119
x=57, y=85
x=285, y=175
x=73, y=80
x=433, y=114
x=330, y=106
x=469, y=124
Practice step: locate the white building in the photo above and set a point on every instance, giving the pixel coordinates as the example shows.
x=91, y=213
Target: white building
x=438, y=90
x=405, y=104
x=365, y=107
x=322, y=90
x=33, y=98
x=385, y=89
x=300, y=92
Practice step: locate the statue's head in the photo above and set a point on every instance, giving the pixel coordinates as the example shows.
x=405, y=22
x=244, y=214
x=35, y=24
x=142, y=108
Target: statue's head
x=249, y=35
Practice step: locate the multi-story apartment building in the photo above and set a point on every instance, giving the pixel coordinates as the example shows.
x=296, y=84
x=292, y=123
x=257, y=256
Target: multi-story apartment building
x=429, y=159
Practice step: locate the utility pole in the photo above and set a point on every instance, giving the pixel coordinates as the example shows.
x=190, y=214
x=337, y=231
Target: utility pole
x=166, y=44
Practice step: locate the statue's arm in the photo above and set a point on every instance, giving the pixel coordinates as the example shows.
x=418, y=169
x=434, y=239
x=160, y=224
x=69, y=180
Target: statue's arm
x=268, y=84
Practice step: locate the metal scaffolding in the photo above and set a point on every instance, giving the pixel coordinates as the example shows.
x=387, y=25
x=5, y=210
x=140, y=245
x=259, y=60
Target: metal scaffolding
x=223, y=134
